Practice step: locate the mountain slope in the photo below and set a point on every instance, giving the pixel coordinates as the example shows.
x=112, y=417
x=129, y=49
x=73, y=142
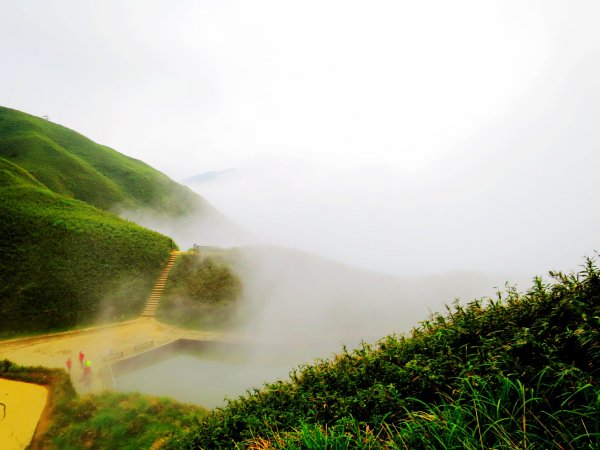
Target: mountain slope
x=67, y=259
x=65, y=262
x=71, y=164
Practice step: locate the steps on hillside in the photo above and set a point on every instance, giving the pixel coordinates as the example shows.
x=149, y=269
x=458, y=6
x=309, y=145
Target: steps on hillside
x=159, y=287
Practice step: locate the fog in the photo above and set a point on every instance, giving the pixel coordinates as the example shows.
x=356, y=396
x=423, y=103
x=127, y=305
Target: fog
x=303, y=306
x=514, y=197
x=205, y=227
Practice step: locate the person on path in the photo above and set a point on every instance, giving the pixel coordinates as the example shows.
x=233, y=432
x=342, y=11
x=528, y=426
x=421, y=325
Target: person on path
x=69, y=364
x=81, y=357
x=87, y=374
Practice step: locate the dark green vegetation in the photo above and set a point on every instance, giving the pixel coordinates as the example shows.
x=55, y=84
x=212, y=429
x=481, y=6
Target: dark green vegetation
x=521, y=371
x=109, y=420
x=201, y=291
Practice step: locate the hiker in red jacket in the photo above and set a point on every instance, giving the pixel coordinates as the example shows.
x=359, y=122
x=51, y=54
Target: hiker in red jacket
x=81, y=357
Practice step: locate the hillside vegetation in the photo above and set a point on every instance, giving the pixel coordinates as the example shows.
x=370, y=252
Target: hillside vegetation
x=520, y=371
x=74, y=166
x=103, y=421
x=201, y=291
x=67, y=259
x=65, y=262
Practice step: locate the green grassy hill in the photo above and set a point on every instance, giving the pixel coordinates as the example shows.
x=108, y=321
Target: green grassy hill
x=67, y=259
x=65, y=262
x=522, y=371
x=72, y=165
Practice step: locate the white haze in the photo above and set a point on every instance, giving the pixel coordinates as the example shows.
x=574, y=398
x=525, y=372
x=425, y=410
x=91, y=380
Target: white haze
x=517, y=196
x=297, y=307
x=206, y=227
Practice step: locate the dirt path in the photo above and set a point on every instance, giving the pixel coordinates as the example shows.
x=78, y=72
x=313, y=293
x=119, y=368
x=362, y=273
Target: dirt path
x=24, y=404
x=120, y=340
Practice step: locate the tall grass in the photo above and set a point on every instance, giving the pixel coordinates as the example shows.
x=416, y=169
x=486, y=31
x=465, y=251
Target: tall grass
x=510, y=416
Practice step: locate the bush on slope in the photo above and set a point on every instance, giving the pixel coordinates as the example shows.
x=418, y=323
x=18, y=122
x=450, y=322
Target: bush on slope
x=201, y=291
x=518, y=371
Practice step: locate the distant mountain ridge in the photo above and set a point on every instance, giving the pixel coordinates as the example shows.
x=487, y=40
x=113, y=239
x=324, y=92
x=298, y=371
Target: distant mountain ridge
x=212, y=175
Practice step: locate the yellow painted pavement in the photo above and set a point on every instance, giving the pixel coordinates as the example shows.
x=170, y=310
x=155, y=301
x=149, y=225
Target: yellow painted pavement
x=23, y=405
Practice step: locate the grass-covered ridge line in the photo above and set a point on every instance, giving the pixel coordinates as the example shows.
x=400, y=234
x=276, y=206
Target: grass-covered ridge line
x=65, y=262
x=70, y=164
x=520, y=371
x=102, y=421
x=201, y=291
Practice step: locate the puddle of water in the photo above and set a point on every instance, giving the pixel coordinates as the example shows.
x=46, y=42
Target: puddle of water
x=205, y=381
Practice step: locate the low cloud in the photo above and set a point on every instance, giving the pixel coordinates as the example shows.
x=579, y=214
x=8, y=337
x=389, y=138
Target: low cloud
x=305, y=307
x=514, y=198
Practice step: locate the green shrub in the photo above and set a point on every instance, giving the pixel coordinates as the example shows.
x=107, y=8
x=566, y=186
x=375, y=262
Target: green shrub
x=200, y=292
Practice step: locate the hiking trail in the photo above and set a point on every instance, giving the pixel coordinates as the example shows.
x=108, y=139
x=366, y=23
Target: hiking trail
x=159, y=287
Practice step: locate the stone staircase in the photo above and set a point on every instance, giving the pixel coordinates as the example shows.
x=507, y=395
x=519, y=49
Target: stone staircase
x=159, y=287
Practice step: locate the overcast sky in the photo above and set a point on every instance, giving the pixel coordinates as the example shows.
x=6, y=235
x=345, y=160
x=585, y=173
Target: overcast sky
x=403, y=136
